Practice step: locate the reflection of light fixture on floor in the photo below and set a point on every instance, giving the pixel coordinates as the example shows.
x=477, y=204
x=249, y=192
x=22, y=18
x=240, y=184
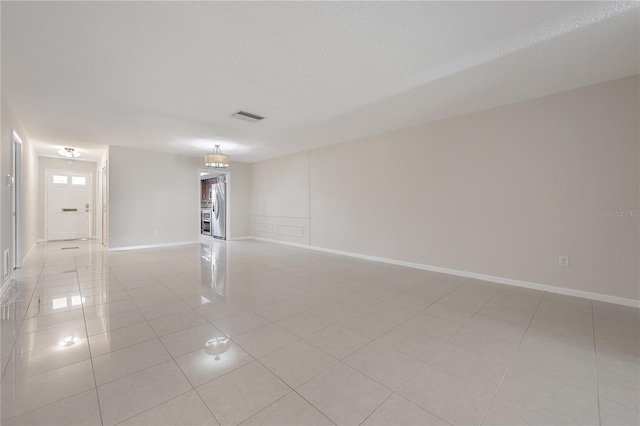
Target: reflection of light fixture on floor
x=69, y=153
x=68, y=341
x=216, y=159
x=216, y=347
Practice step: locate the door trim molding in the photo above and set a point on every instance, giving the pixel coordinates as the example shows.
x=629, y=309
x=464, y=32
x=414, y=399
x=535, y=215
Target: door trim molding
x=15, y=257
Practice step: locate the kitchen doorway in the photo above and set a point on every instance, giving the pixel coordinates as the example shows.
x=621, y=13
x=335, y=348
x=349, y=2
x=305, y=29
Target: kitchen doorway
x=68, y=198
x=215, y=204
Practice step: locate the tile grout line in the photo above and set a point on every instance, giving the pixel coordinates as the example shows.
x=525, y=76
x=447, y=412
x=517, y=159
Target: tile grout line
x=515, y=353
x=182, y=371
x=411, y=402
x=338, y=360
x=268, y=369
x=465, y=321
x=228, y=372
x=155, y=406
x=309, y=402
x=185, y=266
x=93, y=370
x=170, y=355
x=375, y=409
x=388, y=331
x=357, y=349
x=394, y=392
x=51, y=403
x=293, y=390
x=75, y=363
x=15, y=339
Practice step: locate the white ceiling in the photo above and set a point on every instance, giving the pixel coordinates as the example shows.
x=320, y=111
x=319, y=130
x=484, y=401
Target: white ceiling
x=166, y=76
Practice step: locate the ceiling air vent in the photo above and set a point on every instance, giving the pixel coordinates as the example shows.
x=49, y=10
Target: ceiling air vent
x=244, y=115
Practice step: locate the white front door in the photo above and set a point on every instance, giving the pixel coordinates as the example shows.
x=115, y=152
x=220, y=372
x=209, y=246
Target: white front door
x=68, y=205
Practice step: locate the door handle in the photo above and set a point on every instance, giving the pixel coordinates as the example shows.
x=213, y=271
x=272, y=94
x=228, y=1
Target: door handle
x=69, y=210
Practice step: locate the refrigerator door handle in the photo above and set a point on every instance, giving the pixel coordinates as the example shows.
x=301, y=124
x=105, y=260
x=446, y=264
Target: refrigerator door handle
x=217, y=204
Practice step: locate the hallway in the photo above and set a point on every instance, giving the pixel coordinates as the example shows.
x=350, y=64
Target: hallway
x=259, y=333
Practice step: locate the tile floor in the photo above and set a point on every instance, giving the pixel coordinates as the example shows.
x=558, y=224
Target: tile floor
x=254, y=333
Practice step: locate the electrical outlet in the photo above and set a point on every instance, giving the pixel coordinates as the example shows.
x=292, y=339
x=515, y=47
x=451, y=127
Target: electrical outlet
x=563, y=261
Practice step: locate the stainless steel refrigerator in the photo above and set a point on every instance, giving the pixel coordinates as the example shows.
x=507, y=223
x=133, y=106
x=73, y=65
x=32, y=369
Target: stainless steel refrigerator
x=219, y=220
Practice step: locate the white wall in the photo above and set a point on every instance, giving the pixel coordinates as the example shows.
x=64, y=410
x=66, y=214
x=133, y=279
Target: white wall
x=8, y=124
x=154, y=198
x=502, y=192
x=280, y=198
x=5, y=190
x=151, y=198
x=30, y=199
x=103, y=161
x=62, y=164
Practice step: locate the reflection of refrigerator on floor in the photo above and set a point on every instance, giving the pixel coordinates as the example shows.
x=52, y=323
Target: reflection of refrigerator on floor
x=219, y=209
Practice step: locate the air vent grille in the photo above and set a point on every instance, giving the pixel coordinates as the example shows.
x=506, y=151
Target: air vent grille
x=244, y=115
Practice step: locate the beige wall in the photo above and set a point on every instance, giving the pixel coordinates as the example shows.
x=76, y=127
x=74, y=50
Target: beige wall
x=280, y=198
x=62, y=164
x=502, y=192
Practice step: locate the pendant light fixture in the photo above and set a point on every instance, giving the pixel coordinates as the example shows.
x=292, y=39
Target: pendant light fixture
x=69, y=153
x=216, y=159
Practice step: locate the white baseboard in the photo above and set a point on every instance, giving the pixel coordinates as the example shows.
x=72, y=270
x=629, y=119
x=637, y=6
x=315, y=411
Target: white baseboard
x=240, y=238
x=150, y=246
x=500, y=280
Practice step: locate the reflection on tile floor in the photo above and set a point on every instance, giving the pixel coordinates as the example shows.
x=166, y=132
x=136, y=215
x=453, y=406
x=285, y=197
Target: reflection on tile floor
x=255, y=333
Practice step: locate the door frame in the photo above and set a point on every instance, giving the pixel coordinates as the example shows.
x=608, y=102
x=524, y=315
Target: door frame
x=228, y=194
x=16, y=202
x=46, y=197
x=104, y=201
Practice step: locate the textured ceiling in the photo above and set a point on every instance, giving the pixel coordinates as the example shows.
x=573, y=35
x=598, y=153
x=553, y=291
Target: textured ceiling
x=167, y=76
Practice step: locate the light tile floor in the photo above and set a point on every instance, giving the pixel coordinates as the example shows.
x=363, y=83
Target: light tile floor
x=255, y=333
